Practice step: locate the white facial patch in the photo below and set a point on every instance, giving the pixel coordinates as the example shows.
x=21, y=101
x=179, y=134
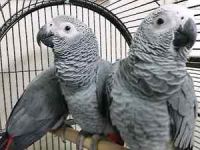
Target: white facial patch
x=167, y=22
x=181, y=13
x=49, y=26
x=67, y=30
x=64, y=29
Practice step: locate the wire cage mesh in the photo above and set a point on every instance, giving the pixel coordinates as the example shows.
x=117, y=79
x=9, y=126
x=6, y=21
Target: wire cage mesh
x=21, y=59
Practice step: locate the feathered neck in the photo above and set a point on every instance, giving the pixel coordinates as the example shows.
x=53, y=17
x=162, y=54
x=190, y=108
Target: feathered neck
x=153, y=75
x=76, y=63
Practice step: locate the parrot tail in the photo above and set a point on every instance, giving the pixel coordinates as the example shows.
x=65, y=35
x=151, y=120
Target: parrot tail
x=5, y=140
x=116, y=138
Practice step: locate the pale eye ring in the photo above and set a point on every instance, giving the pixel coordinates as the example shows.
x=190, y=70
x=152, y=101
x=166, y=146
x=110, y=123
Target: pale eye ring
x=160, y=21
x=67, y=28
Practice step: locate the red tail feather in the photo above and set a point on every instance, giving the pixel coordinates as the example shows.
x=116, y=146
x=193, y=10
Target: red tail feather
x=9, y=142
x=116, y=138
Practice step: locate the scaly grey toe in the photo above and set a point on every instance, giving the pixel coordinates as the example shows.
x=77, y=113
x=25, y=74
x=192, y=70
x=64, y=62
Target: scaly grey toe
x=95, y=140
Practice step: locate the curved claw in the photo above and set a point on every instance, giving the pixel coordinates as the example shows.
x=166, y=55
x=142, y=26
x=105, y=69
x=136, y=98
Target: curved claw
x=95, y=140
x=79, y=142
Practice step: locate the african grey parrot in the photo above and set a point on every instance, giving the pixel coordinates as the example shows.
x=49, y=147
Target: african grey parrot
x=41, y=108
x=81, y=73
x=151, y=98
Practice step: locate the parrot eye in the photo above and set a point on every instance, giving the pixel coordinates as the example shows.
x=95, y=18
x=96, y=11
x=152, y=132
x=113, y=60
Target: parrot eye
x=67, y=28
x=160, y=21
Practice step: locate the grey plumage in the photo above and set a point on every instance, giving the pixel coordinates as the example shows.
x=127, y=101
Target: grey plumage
x=151, y=95
x=182, y=109
x=80, y=70
x=40, y=109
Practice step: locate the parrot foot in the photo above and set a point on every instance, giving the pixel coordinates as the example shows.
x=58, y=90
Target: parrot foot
x=95, y=139
x=64, y=127
x=69, y=122
x=80, y=141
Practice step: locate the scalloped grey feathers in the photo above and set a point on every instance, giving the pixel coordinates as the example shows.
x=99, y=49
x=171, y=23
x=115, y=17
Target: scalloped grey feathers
x=40, y=109
x=80, y=71
x=150, y=94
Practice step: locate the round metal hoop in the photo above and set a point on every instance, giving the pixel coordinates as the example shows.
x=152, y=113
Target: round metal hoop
x=82, y=3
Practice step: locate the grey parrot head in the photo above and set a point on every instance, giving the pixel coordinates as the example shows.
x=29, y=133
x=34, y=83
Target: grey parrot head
x=169, y=30
x=65, y=34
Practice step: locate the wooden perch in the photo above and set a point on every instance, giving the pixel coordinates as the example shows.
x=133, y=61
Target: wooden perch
x=72, y=135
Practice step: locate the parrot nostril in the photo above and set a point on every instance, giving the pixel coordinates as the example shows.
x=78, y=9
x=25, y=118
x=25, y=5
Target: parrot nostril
x=51, y=34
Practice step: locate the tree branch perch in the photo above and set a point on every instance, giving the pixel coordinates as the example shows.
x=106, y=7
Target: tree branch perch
x=72, y=135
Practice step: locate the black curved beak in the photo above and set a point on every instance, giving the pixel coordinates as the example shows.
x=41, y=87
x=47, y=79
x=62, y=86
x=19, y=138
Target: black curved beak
x=186, y=36
x=45, y=37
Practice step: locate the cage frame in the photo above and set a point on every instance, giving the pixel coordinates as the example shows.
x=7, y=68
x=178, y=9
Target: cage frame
x=82, y=3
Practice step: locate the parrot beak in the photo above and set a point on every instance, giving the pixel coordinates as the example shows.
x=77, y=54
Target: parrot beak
x=186, y=36
x=45, y=37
